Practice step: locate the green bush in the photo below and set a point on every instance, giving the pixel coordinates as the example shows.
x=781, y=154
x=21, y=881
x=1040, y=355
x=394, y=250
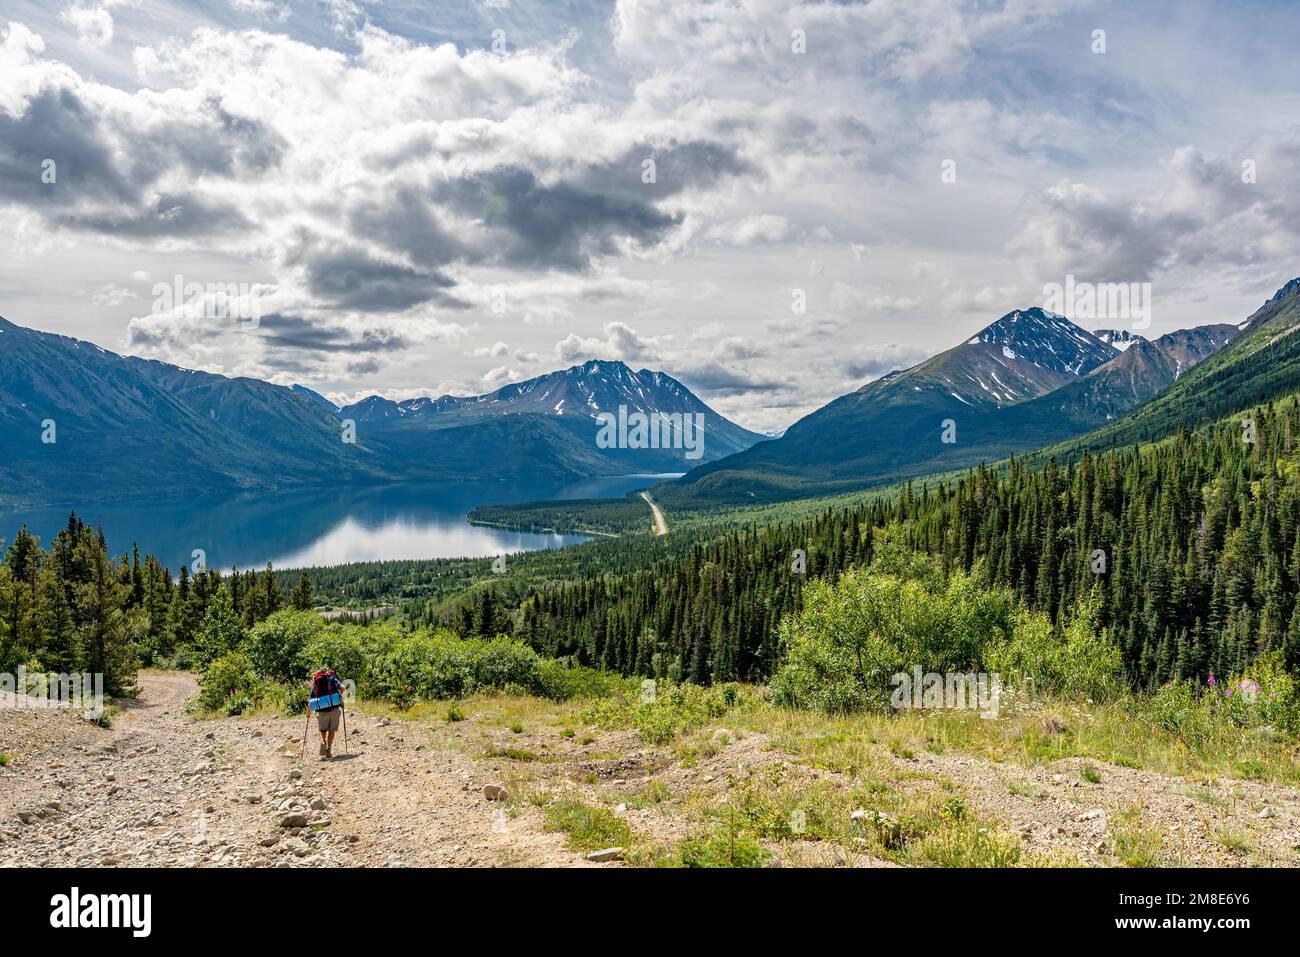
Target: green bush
x=276, y=644
x=337, y=648
x=437, y=666
x=719, y=849
x=1079, y=662
x=227, y=677
x=1262, y=698
x=671, y=711
x=559, y=682
x=853, y=635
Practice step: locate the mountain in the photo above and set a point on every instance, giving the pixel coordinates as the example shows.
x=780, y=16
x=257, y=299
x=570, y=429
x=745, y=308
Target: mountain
x=1145, y=368
x=1121, y=339
x=1260, y=363
x=1028, y=380
x=565, y=403
x=316, y=397
x=125, y=427
x=895, y=426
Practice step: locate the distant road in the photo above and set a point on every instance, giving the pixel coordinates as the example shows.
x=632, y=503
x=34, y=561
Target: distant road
x=661, y=526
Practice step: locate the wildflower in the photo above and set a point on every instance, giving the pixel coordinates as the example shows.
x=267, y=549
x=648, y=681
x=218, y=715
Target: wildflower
x=1212, y=682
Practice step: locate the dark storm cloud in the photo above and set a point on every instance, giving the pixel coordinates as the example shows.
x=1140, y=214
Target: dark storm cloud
x=551, y=227
x=351, y=278
x=404, y=220
x=298, y=334
x=717, y=380
x=167, y=215
x=58, y=126
x=566, y=224
x=677, y=168
x=213, y=141
x=105, y=180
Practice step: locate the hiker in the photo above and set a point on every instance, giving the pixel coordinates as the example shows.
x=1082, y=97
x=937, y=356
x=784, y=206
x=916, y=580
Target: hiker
x=327, y=694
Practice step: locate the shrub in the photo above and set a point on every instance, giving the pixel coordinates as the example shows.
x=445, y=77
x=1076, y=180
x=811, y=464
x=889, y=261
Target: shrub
x=228, y=676
x=275, y=645
x=855, y=634
x=437, y=666
x=719, y=849
x=1264, y=697
x=337, y=648
x=561, y=683
x=1079, y=662
x=674, y=710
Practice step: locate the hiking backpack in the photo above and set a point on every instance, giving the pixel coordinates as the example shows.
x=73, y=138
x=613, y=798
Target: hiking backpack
x=323, y=696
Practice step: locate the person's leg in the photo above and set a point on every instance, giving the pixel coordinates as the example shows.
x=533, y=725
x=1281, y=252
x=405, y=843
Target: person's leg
x=331, y=726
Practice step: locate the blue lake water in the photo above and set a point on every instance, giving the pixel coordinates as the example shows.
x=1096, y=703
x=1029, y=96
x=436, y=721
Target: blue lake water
x=300, y=529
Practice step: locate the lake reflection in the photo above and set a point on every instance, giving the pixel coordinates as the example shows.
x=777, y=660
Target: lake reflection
x=304, y=528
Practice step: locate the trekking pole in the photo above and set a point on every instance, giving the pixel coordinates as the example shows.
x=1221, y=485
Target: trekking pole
x=345, y=725
x=305, y=728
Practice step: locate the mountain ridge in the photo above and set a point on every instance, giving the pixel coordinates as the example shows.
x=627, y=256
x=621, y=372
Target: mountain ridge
x=127, y=427
x=1028, y=380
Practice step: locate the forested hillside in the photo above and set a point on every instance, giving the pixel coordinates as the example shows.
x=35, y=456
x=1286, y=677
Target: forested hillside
x=1190, y=548
x=73, y=608
x=1199, y=536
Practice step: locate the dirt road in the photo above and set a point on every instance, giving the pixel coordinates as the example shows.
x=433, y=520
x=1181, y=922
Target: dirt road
x=661, y=526
x=161, y=788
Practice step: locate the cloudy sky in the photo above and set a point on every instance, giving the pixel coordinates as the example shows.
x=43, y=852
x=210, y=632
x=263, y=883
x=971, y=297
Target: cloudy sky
x=432, y=197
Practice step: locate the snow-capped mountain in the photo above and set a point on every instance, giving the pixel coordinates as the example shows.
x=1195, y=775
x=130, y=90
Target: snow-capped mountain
x=1024, y=354
x=573, y=397
x=1121, y=339
x=577, y=394
x=1027, y=380
x=183, y=431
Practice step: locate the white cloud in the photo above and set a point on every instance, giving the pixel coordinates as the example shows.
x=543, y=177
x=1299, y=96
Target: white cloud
x=424, y=210
x=94, y=25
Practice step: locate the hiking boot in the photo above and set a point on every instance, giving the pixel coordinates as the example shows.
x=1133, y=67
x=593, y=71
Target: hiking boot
x=324, y=751
x=328, y=753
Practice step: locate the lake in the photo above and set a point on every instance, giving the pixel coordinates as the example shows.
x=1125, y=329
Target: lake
x=303, y=528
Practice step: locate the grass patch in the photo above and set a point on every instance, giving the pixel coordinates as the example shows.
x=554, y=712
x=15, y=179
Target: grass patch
x=588, y=828
x=1135, y=844
x=715, y=849
x=672, y=710
x=1117, y=732
x=512, y=754
x=1234, y=841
